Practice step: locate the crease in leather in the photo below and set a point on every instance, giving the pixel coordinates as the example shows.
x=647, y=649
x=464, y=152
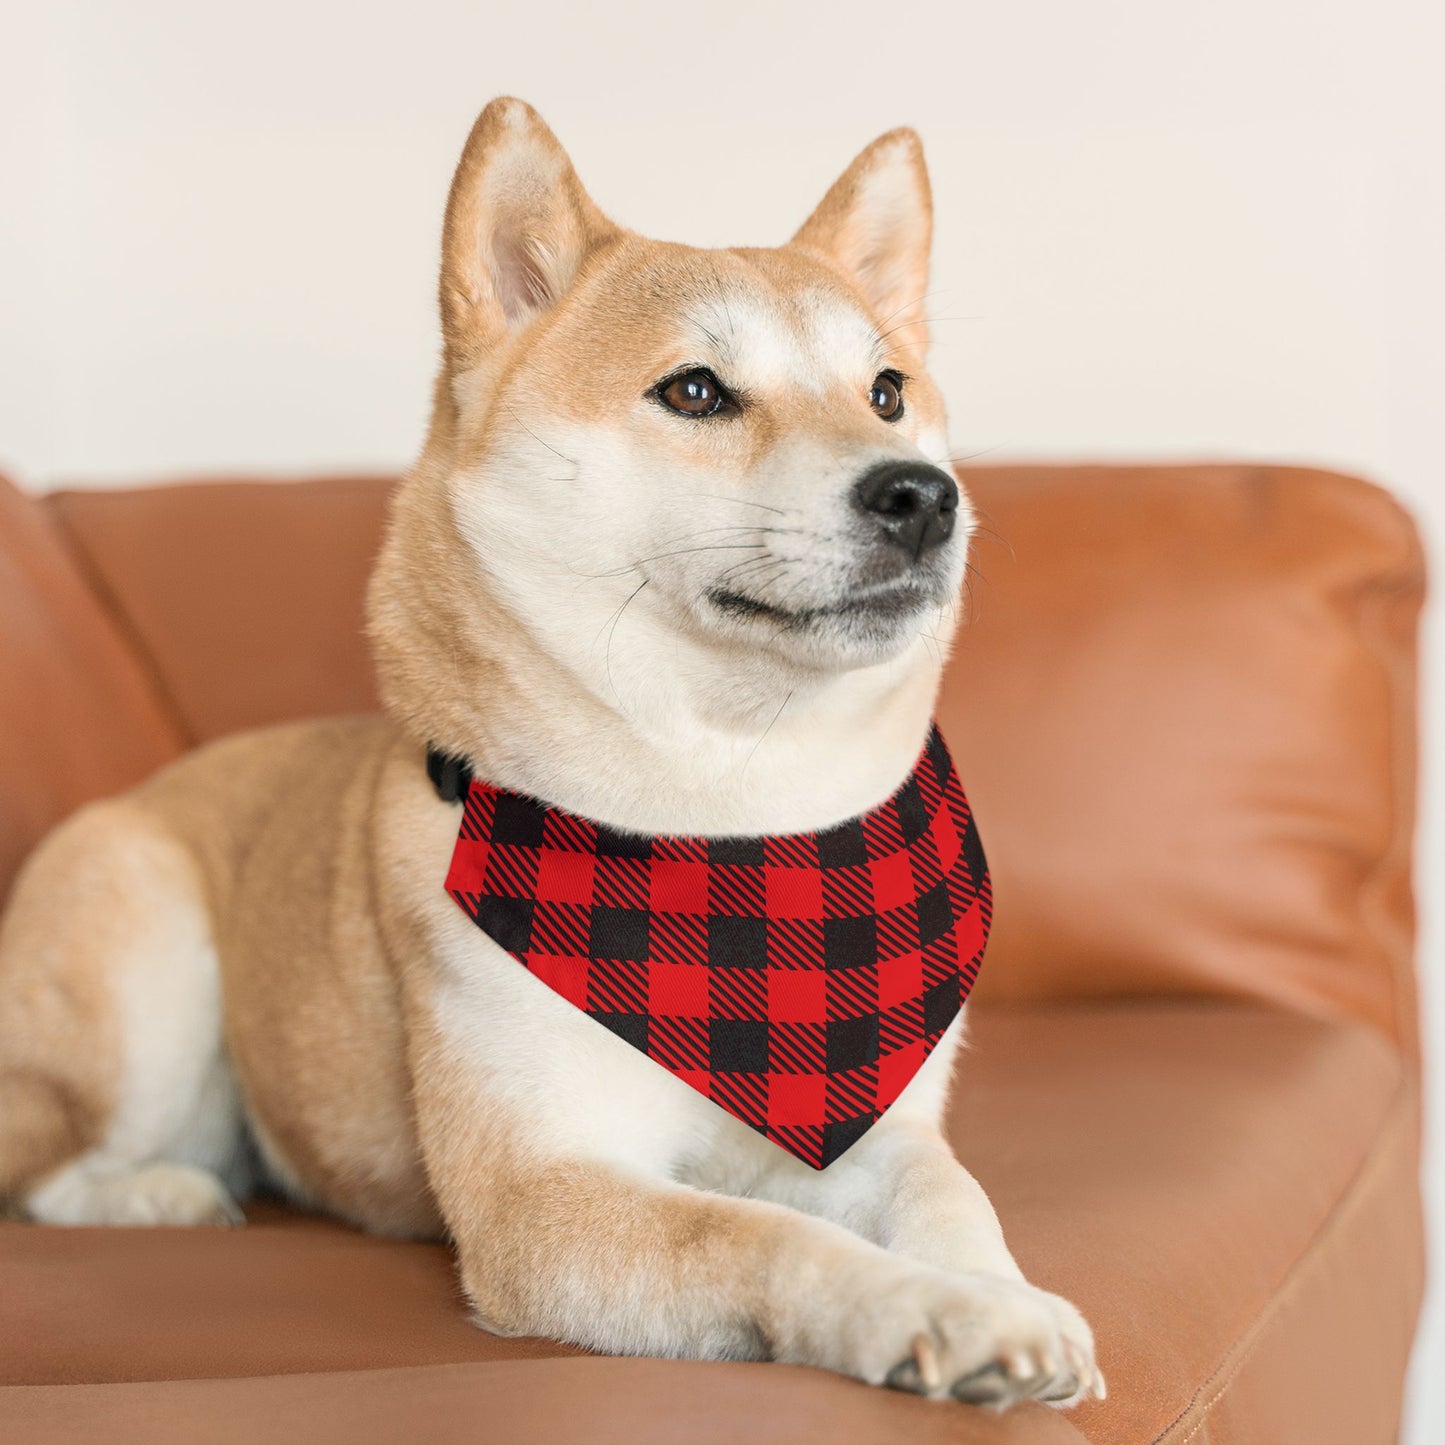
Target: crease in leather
x=125, y=625
x=146, y=544
x=71, y=668
x=1384, y=633
x=1238, y=1355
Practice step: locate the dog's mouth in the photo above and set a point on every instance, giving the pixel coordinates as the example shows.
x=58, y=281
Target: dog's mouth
x=875, y=605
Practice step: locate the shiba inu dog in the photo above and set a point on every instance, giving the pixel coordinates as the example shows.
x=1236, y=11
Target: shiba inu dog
x=676, y=556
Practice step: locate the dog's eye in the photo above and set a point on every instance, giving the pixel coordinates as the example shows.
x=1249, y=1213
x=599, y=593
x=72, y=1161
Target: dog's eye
x=694, y=393
x=886, y=397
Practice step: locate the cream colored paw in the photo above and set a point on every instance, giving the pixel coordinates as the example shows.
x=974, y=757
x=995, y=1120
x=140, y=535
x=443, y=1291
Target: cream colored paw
x=147, y=1195
x=980, y=1338
x=1078, y=1342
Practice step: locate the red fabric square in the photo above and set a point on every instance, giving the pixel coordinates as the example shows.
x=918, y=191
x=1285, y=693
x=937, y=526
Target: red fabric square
x=892, y=882
x=678, y=988
x=798, y=997
x=895, y=1070
x=796, y=1098
x=679, y=887
x=946, y=839
x=900, y=979
x=469, y=867
x=793, y=892
x=564, y=877
x=971, y=932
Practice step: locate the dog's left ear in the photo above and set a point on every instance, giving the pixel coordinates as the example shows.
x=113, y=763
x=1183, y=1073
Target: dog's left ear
x=877, y=223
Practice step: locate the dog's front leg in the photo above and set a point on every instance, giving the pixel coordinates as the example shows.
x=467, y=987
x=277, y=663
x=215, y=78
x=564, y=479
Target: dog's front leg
x=901, y=1188
x=614, y=1258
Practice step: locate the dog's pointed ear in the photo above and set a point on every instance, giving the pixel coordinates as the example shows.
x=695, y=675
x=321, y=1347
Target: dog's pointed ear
x=518, y=228
x=877, y=223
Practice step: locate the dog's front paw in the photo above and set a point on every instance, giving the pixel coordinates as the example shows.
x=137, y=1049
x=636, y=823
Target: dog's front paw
x=981, y=1338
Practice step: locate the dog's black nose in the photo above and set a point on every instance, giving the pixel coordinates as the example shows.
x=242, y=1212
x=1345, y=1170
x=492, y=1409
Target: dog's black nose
x=915, y=504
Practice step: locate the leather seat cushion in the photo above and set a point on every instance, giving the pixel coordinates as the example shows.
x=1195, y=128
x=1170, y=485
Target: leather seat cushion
x=1184, y=1172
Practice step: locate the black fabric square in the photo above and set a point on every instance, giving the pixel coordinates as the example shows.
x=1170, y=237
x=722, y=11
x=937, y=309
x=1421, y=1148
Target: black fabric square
x=618, y=933
x=912, y=815
x=852, y=1042
x=518, y=820
x=631, y=1027
x=850, y=942
x=940, y=1004
x=612, y=844
x=735, y=850
x=738, y=1046
x=843, y=846
x=935, y=914
x=508, y=921
x=737, y=942
x=843, y=1134
x=973, y=853
x=938, y=756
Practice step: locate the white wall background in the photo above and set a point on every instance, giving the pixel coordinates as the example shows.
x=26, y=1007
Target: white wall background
x=1163, y=229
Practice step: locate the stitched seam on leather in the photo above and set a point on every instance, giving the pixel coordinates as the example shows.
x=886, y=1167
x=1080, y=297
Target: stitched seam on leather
x=1242, y=1350
x=124, y=623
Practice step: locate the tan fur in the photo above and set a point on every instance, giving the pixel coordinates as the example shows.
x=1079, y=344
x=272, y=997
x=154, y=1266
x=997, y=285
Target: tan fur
x=54, y=1096
x=257, y=941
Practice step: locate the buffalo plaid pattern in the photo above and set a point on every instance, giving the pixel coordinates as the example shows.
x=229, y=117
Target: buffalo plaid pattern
x=797, y=981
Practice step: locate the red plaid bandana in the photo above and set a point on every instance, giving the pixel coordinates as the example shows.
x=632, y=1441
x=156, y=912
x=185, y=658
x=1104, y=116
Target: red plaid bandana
x=797, y=981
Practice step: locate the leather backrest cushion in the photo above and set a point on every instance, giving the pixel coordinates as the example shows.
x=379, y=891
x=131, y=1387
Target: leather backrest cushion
x=1182, y=705
x=79, y=718
x=1183, y=708
x=247, y=595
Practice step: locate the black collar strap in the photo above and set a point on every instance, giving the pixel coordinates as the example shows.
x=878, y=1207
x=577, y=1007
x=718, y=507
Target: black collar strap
x=450, y=775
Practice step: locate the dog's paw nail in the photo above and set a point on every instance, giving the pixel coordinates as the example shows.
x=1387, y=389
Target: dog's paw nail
x=926, y=1354
x=988, y=1386
x=1084, y=1379
x=905, y=1376
x=1021, y=1365
x=228, y=1215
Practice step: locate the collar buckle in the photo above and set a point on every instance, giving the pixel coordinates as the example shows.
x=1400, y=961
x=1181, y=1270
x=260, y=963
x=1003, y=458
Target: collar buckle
x=450, y=775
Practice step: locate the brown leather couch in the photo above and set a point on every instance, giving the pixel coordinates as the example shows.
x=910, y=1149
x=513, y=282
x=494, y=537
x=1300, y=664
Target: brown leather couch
x=1185, y=711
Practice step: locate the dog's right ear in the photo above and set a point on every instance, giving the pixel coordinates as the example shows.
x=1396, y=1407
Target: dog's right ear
x=518, y=228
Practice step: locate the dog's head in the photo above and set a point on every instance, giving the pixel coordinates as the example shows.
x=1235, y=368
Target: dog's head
x=738, y=450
